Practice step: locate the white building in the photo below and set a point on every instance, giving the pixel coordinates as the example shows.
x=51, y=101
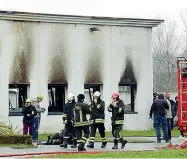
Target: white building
x=56, y=54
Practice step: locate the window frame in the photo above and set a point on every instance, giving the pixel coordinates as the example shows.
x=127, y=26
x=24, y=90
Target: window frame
x=16, y=112
x=65, y=89
x=133, y=91
x=88, y=86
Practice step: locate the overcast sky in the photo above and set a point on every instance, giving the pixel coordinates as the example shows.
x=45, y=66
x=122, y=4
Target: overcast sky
x=117, y=8
x=122, y=8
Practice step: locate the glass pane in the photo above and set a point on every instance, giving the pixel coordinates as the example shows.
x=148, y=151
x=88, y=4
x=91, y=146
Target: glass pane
x=125, y=95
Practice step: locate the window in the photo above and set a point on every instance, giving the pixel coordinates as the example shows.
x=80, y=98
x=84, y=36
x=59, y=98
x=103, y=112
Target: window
x=17, y=98
x=127, y=94
x=56, y=99
x=89, y=90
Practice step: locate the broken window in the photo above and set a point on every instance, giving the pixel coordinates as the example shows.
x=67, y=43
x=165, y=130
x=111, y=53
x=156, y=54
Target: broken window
x=56, y=95
x=17, y=97
x=89, y=90
x=127, y=94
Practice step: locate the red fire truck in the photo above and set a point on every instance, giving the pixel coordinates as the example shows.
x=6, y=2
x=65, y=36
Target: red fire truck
x=182, y=93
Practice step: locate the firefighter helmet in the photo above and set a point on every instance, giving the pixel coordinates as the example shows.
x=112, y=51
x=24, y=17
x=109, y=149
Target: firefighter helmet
x=28, y=100
x=97, y=94
x=115, y=95
x=40, y=96
x=70, y=97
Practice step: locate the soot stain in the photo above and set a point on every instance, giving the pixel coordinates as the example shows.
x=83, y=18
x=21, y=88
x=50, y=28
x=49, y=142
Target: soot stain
x=21, y=66
x=93, y=74
x=128, y=76
x=57, y=73
x=23, y=55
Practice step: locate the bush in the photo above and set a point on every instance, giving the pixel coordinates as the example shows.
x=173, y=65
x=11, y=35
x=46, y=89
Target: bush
x=6, y=127
x=16, y=139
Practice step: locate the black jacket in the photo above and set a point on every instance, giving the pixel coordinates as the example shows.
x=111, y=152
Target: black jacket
x=68, y=112
x=117, y=113
x=31, y=110
x=174, y=109
x=97, y=112
x=159, y=106
x=80, y=110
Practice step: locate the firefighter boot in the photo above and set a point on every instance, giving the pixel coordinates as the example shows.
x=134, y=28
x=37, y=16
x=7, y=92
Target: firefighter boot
x=74, y=143
x=115, y=144
x=103, y=144
x=91, y=145
x=64, y=145
x=81, y=147
x=123, y=142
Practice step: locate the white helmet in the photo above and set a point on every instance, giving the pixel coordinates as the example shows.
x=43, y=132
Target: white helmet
x=70, y=97
x=97, y=94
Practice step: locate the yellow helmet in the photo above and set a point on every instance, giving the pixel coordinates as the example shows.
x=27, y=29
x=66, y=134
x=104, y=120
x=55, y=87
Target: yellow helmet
x=40, y=96
x=28, y=100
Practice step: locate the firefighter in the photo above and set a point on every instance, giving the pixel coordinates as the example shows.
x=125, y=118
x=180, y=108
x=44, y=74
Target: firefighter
x=97, y=120
x=68, y=121
x=117, y=109
x=80, y=121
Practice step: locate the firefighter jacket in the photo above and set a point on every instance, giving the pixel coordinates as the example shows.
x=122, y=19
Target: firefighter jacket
x=97, y=112
x=117, y=112
x=68, y=112
x=80, y=111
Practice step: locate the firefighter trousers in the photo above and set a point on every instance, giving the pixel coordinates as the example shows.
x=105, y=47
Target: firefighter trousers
x=81, y=140
x=101, y=128
x=69, y=130
x=116, y=128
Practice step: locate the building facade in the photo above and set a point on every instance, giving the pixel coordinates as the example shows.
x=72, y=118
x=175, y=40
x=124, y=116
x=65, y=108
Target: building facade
x=57, y=54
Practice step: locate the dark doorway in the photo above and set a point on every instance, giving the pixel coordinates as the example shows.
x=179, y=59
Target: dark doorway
x=17, y=96
x=56, y=98
x=130, y=89
x=91, y=88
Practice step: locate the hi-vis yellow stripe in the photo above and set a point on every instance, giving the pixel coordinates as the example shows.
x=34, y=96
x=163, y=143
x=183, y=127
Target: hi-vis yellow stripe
x=119, y=122
x=84, y=138
x=81, y=141
x=99, y=120
x=80, y=113
x=82, y=123
x=64, y=115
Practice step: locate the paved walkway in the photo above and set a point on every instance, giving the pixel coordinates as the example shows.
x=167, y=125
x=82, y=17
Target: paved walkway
x=129, y=147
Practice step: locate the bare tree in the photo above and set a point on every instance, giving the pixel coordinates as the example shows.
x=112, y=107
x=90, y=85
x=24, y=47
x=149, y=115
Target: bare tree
x=166, y=46
x=184, y=29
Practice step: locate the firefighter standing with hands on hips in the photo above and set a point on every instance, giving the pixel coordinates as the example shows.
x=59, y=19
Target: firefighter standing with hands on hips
x=97, y=117
x=117, y=109
x=68, y=121
x=81, y=123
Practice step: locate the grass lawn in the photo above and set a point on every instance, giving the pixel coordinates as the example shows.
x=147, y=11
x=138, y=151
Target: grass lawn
x=17, y=146
x=147, y=133
x=175, y=153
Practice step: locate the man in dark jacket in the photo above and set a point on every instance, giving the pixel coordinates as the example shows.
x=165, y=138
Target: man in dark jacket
x=68, y=121
x=155, y=95
x=80, y=121
x=29, y=113
x=117, y=109
x=97, y=120
x=159, y=107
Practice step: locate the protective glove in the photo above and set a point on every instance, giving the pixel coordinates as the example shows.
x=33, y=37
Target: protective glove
x=95, y=101
x=120, y=109
x=98, y=106
x=65, y=121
